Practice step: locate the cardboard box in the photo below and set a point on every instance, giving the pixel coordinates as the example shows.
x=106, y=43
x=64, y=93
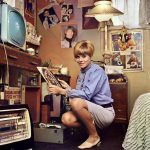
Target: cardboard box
x=51, y=135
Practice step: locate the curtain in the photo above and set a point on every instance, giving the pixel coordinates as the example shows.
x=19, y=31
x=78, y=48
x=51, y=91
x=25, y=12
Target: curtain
x=130, y=8
x=144, y=12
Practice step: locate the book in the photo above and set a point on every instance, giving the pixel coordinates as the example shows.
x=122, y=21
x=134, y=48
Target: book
x=49, y=76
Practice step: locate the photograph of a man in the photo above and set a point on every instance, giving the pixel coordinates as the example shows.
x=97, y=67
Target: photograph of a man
x=48, y=17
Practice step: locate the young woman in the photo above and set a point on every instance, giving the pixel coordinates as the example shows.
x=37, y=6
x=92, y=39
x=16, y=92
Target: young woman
x=69, y=40
x=91, y=102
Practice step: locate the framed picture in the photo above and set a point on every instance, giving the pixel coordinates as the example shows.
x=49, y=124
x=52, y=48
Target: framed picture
x=127, y=49
x=30, y=11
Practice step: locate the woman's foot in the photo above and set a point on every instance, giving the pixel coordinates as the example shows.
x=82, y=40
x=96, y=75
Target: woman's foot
x=90, y=142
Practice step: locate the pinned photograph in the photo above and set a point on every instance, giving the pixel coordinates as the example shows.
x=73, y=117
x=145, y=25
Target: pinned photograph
x=118, y=60
x=48, y=17
x=66, y=12
x=68, y=36
x=133, y=60
x=29, y=6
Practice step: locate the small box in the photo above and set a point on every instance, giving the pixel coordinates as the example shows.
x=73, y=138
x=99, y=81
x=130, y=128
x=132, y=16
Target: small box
x=13, y=95
x=50, y=135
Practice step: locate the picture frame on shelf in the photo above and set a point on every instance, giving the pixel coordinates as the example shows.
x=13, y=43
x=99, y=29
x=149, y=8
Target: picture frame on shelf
x=127, y=49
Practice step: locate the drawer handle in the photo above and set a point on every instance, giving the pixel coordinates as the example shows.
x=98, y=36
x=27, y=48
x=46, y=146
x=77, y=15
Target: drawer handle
x=12, y=57
x=34, y=63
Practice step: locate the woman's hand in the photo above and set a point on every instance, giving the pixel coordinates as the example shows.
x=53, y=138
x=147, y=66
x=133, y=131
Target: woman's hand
x=53, y=89
x=64, y=84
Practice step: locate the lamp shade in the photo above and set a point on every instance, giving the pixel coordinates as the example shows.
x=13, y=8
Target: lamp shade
x=103, y=11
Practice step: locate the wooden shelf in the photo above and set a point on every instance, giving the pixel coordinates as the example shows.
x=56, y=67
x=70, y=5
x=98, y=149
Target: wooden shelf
x=21, y=61
x=18, y=58
x=31, y=95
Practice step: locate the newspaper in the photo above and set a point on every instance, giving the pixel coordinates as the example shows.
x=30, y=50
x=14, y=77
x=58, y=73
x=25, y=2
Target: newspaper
x=48, y=76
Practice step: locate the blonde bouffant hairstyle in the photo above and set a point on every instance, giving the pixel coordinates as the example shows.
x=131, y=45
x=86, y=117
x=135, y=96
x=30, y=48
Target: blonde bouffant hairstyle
x=83, y=47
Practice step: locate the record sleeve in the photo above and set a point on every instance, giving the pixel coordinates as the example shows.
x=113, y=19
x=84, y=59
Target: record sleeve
x=49, y=76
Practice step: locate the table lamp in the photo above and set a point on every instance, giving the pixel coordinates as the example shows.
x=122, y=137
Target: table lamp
x=103, y=12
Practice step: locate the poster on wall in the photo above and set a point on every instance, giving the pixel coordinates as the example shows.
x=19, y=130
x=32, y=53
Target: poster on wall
x=48, y=17
x=30, y=11
x=68, y=36
x=127, y=49
x=66, y=12
x=88, y=22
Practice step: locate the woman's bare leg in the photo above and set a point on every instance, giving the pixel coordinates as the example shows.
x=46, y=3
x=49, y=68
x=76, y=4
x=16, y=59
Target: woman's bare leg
x=80, y=109
x=70, y=120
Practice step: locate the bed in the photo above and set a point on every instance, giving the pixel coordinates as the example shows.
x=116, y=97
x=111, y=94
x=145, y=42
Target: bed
x=138, y=133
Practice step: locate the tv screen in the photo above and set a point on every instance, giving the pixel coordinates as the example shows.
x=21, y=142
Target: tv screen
x=12, y=26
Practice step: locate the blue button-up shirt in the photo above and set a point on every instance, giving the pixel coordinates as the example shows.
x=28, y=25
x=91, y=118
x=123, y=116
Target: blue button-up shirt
x=92, y=85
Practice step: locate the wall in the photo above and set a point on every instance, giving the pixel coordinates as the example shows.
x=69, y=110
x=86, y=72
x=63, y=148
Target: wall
x=50, y=45
x=139, y=82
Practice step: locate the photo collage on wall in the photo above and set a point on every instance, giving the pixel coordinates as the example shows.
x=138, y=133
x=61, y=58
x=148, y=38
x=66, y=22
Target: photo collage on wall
x=55, y=12
x=59, y=12
x=127, y=49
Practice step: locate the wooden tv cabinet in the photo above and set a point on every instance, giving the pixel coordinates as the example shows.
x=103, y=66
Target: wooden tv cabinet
x=18, y=58
x=26, y=64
